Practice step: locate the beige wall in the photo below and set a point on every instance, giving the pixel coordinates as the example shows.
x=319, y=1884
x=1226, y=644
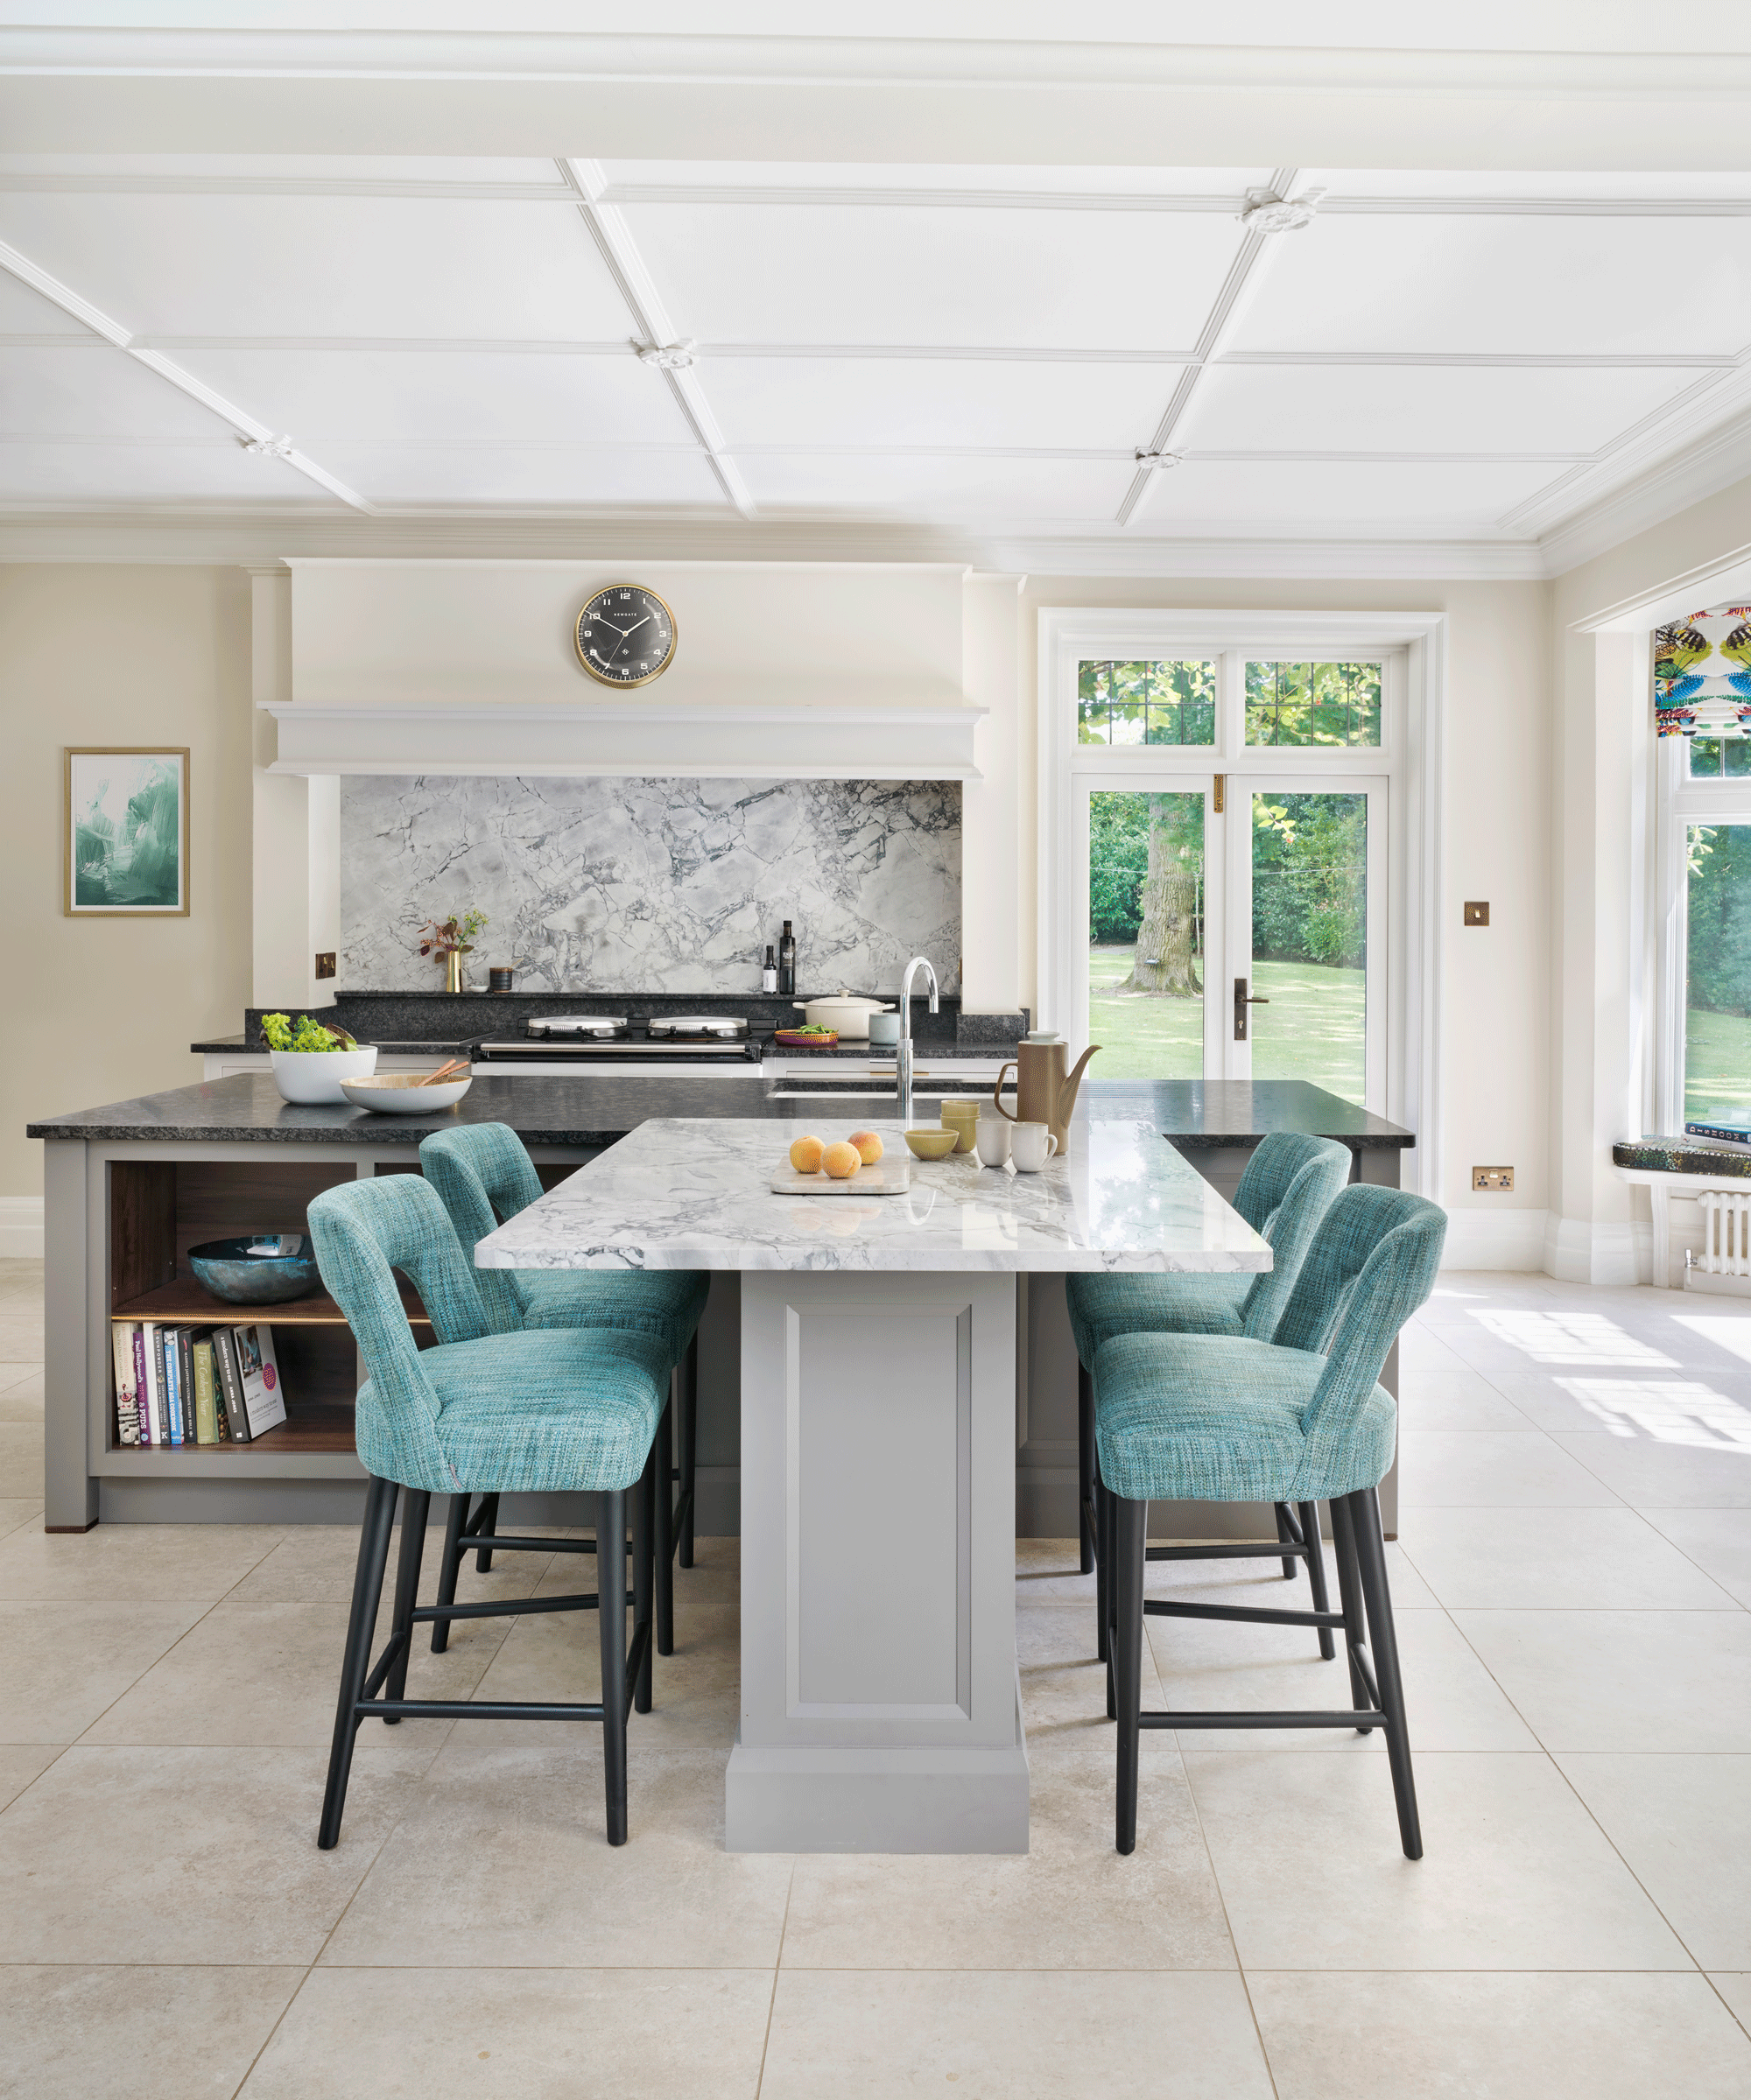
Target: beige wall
x=103, y=1008
x=1496, y=824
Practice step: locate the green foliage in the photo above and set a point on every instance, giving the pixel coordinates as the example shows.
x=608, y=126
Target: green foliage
x=1156, y=702
x=1719, y=860
x=1118, y=854
x=1313, y=703
x=307, y=1036
x=452, y=936
x=1310, y=879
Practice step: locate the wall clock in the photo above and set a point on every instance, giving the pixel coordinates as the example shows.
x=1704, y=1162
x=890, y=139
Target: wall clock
x=626, y=635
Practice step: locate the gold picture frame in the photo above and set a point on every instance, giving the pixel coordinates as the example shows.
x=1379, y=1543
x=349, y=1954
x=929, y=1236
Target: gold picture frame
x=127, y=837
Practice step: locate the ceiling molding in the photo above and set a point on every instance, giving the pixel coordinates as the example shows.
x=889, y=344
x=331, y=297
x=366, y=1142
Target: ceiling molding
x=1701, y=471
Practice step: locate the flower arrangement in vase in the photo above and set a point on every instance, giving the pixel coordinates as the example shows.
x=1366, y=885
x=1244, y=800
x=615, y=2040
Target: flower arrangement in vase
x=450, y=940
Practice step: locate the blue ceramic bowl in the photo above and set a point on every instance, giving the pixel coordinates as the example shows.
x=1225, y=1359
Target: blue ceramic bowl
x=255, y=1272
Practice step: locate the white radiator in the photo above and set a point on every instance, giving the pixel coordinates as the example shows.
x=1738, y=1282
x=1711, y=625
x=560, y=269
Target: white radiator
x=1726, y=1232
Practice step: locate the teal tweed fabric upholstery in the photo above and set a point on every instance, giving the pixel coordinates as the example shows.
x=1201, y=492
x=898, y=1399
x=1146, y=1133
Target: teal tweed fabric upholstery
x=1229, y=1419
x=1288, y=1183
x=574, y=1409
x=484, y=1175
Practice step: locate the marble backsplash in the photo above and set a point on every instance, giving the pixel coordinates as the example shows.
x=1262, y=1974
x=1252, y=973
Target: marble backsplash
x=667, y=885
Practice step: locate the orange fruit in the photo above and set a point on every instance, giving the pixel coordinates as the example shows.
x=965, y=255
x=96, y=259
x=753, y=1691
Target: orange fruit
x=806, y=1154
x=840, y=1161
x=868, y=1145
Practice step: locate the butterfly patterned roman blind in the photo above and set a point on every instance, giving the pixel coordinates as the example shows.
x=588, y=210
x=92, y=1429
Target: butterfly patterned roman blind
x=1702, y=674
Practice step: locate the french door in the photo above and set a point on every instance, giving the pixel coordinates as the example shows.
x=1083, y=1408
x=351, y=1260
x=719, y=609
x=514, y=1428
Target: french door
x=1236, y=924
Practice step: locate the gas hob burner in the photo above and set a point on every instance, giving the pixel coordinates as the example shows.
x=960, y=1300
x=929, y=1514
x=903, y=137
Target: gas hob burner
x=720, y=1027
x=585, y=1028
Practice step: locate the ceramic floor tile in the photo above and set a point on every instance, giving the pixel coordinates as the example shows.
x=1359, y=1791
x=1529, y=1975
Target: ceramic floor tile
x=1454, y=1400
x=18, y=1509
x=1515, y=1873
x=255, y=1673
x=870, y=2036
x=21, y=1335
x=1533, y=2037
x=1460, y=1469
x=63, y=1665
x=142, y=2034
x=195, y=1563
x=1718, y=1541
x=1064, y=1688
x=1070, y=1902
x=1650, y=1475
x=1557, y=1559
x=311, y=1562
x=1734, y=1990
x=1675, y=1820
x=20, y=1763
x=183, y=1856
x=1049, y=1577
x=502, y=1862
x=1622, y=1680
x=1686, y=1404
x=520, y=2035
x=21, y=1457
x=1426, y=1349
x=1454, y=1703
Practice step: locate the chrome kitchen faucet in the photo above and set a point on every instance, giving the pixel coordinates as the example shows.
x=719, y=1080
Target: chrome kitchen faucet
x=902, y=1050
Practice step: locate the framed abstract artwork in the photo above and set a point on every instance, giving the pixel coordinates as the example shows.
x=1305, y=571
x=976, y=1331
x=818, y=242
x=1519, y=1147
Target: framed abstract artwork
x=127, y=833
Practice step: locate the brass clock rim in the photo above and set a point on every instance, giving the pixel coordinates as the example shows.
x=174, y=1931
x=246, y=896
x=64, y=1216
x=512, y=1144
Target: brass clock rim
x=624, y=684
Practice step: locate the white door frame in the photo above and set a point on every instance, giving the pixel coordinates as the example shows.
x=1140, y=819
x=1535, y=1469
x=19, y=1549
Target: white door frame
x=1414, y=645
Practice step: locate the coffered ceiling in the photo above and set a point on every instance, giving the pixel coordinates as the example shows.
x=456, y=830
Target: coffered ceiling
x=1111, y=366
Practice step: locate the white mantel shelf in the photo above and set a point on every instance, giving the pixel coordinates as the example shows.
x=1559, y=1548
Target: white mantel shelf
x=628, y=740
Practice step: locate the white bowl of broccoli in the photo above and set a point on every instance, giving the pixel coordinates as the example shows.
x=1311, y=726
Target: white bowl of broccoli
x=310, y=1059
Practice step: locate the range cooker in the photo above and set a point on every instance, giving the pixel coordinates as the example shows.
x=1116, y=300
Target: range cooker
x=571, y=1043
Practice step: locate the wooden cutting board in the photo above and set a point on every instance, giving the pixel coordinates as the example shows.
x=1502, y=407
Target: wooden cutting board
x=891, y=1176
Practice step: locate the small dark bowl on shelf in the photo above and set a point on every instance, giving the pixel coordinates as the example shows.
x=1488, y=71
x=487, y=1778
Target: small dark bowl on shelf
x=254, y=1271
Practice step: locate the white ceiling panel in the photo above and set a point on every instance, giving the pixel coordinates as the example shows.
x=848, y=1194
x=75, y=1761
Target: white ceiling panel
x=861, y=402
x=937, y=489
x=1551, y=183
x=83, y=393
x=923, y=275
x=840, y=176
x=156, y=474
x=200, y=266
x=26, y=313
x=1267, y=499
x=551, y=476
x=1505, y=284
x=325, y=167
x=1394, y=408
x=320, y=395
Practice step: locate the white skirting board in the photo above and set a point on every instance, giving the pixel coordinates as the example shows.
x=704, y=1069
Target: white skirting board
x=1491, y=1238
x=1541, y=1242
x=21, y=1228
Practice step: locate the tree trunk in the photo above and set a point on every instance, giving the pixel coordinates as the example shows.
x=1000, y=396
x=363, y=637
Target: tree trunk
x=1163, y=965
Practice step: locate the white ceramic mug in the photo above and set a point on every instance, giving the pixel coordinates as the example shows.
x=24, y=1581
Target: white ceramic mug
x=992, y=1140
x=1030, y=1146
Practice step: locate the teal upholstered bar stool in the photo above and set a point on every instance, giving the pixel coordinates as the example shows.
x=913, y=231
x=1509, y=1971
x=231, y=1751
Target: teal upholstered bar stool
x=1288, y=1182
x=1220, y=1418
x=484, y=1175
x=571, y=1409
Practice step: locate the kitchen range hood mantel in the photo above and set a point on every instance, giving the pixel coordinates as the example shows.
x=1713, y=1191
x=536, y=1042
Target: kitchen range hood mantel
x=647, y=739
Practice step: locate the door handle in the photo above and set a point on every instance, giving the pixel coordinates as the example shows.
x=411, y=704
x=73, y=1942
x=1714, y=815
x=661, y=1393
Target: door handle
x=1243, y=999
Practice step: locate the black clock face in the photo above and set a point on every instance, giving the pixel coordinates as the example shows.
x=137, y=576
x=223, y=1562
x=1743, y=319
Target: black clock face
x=626, y=635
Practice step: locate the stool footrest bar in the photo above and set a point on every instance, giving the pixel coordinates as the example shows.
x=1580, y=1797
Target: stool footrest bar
x=1165, y=1607
x=467, y=1709
x=1355, y=1717
x=511, y=1607
x=1279, y=1550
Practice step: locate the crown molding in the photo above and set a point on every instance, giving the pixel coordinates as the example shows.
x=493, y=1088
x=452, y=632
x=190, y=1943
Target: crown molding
x=1701, y=470
x=217, y=537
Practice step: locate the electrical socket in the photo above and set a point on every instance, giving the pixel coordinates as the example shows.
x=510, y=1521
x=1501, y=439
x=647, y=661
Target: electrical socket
x=1492, y=1178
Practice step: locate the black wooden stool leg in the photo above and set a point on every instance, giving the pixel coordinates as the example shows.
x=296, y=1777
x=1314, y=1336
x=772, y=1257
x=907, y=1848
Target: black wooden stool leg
x=1085, y=1464
x=1286, y=1530
x=355, y=1667
x=611, y=1624
x=688, y=1430
x=1127, y=1537
x=415, y=1504
x=450, y=1567
x=1384, y=1646
x=489, y=1526
x=662, y=1521
x=1103, y=1592
x=644, y=1497
x=1350, y=1602
x=1316, y=1572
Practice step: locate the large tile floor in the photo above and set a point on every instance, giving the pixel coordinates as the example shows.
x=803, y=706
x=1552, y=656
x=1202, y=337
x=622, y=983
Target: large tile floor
x=1572, y=1581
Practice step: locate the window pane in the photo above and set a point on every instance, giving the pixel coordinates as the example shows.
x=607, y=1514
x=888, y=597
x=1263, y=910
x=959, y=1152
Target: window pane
x=1717, y=999
x=1146, y=936
x=1310, y=947
x=1313, y=703
x=1154, y=702
x=1719, y=757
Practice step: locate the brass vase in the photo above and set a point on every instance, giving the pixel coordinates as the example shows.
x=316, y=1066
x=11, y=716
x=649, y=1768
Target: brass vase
x=452, y=969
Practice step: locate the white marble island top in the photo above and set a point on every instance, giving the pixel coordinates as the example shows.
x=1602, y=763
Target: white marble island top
x=694, y=1195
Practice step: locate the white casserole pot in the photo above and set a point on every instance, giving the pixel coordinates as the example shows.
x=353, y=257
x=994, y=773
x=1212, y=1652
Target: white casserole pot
x=844, y=1011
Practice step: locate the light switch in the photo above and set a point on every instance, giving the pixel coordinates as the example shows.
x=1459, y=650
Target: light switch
x=1477, y=915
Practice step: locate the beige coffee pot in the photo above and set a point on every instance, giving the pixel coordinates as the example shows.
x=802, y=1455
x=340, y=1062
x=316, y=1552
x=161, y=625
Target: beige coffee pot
x=1045, y=1092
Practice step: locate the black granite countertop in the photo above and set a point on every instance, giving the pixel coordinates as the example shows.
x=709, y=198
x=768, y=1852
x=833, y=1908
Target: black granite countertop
x=246, y=1108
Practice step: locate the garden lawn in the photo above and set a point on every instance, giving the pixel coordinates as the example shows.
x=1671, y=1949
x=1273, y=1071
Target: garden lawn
x=1312, y=1029
x=1716, y=1063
